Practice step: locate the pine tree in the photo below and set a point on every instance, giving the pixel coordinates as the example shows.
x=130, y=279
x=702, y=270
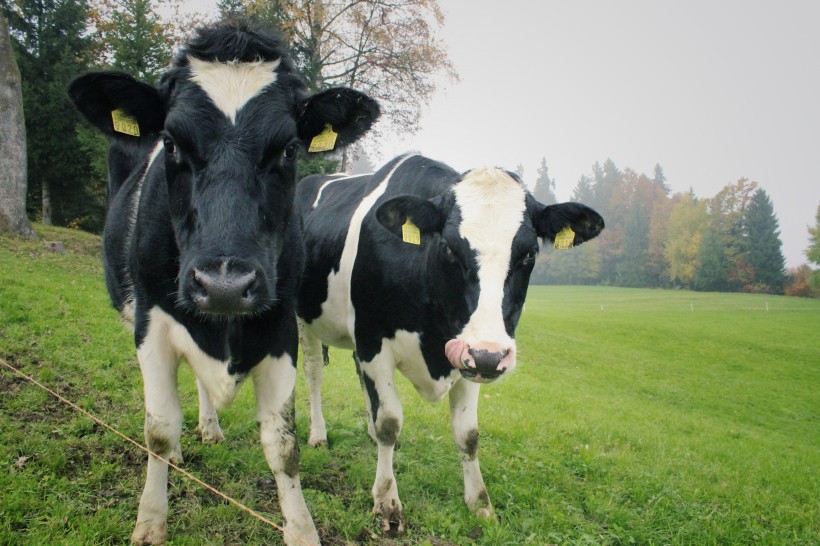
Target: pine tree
x=713, y=266
x=763, y=244
x=813, y=252
x=544, y=190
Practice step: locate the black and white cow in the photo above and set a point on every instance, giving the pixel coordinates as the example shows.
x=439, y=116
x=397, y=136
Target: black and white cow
x=425, y=270
x=201, y=251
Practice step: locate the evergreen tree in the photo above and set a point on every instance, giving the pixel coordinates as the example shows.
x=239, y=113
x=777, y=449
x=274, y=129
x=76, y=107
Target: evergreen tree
x=813, y=252
x=632, y=266
x=52, y=47
x=763, y=245
x=544, y=190
x=659, y=179
x=713, y=266
x=134, y=39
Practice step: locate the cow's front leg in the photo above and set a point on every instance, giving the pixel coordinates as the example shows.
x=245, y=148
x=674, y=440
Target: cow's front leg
x=464, y=419
x=163, y=426
x=314, y=371
x=274, y=380
x=378, y=381
x=208, y=427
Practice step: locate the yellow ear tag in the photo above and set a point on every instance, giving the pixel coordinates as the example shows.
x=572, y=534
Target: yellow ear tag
x=410, y=233
x=125, y=123
x=565, y=239
x=324, y=141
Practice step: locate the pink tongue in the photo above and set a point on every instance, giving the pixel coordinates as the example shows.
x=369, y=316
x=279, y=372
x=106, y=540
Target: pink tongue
x=453, y=350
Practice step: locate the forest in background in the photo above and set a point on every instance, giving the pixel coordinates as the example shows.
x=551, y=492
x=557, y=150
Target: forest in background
x=727, y=242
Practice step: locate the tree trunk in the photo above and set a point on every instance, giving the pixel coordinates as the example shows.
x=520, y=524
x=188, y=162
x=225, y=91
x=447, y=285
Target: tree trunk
x=46, y=204
x=12, y=141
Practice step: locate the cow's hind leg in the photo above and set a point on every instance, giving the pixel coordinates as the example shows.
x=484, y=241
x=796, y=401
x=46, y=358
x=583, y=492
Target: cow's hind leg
x=274, y=380
x=208, y=427
x=163, y=426
x=314, y=371
x=464, y=419
x=385, y=416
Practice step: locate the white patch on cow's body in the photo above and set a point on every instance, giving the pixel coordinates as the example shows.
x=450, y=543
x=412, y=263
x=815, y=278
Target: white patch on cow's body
x=406, y=349
x=211, y=373
x=231, y=85
x=492, y=207
x=339, y=177
x=127, y=313
x=335, y=326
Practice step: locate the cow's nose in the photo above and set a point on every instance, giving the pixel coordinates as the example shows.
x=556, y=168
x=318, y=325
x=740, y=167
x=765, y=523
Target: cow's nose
x=224, y=292
x=487, y=360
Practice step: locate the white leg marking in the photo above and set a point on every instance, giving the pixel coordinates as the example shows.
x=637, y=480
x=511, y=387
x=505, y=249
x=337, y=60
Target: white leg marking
x=163, y=425
x=274, y=380
x=208, y=428
x=389, y=417
x=314, y=371
x=464, y=419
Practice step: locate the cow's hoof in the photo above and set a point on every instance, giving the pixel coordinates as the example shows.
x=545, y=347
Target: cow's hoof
x=149, y=532
x=317, y=442
x=392, y=518
x=486, y=513
x=300, y=535
x=210, y=432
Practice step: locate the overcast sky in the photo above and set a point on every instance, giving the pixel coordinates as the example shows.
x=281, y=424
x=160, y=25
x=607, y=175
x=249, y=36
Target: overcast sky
x=711, y=90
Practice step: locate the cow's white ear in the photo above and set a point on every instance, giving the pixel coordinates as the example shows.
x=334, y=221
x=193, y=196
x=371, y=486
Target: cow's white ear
x=346, y=113
x=549, y=220
x=118, y=105
x=422, y=214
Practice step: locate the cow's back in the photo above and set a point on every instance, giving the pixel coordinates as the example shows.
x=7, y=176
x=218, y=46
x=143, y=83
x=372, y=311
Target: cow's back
x=333, y=210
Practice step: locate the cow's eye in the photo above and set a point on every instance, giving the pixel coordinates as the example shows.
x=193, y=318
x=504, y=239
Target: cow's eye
x=290, y=151
x=530, y=257
x=170, y=147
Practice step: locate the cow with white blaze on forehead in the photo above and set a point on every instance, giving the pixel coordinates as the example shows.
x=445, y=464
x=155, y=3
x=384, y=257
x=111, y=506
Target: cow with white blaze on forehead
x=202, y=252
x=425, y=270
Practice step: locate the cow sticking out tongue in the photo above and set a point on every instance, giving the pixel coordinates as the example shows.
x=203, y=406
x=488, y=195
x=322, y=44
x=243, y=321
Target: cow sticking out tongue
x=480, y=363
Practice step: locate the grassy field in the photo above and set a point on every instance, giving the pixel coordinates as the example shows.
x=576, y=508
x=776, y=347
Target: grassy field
x=635, y=417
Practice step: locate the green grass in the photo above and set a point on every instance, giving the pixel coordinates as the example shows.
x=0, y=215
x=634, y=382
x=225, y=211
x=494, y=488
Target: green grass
x=635, y=417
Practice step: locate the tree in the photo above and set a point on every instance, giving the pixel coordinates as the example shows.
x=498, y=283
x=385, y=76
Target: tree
x=133, y=38
x=544, y=190
x=763, y=246
x=12, y=142
x=813, y=252
x=726, y=211
x=687, y=223
x=712, y=274
x=388, y=50
x=52, y=46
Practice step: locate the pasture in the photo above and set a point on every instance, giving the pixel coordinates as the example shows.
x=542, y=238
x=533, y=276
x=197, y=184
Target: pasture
x=635, y=417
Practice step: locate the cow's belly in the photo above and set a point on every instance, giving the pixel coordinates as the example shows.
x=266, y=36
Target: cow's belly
x=334, y=326
x=406, y=349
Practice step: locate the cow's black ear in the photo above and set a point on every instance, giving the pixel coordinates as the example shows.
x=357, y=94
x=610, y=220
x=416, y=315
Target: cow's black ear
x=550, y=219
x=118, y=105
x=423, y=214
x=348, y=113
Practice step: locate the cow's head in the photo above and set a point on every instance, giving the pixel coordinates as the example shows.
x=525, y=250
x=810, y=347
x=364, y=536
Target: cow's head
x=481, y=242
x=226, y=122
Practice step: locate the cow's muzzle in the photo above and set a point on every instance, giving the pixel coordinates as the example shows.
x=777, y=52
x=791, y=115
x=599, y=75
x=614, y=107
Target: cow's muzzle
x=481, y=362
x=225, y=288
